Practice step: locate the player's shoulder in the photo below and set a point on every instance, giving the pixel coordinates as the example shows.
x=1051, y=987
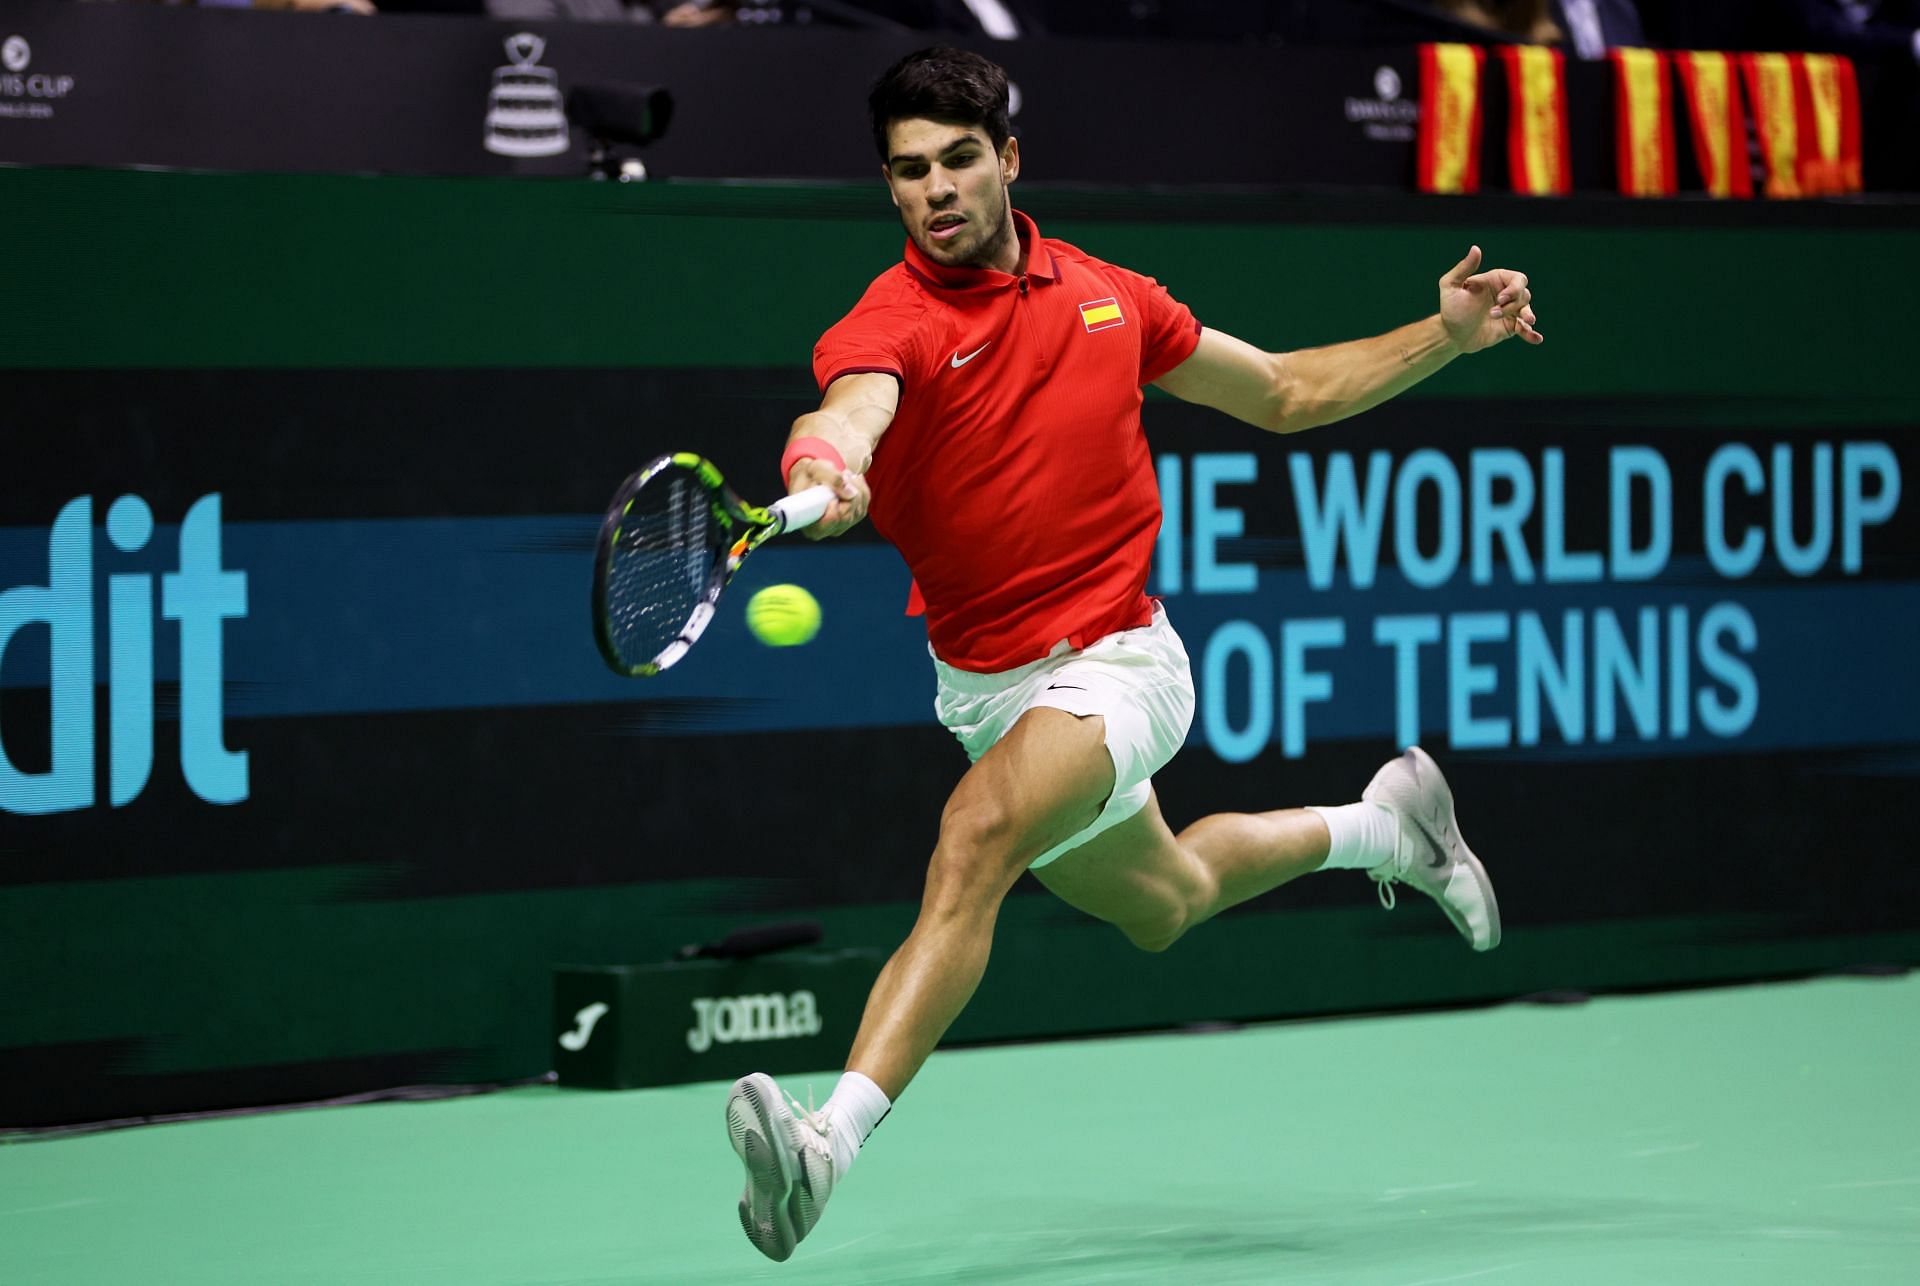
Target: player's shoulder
x=1072, y=259
x=892, y=327
x=893, y=298
x=1068, y=253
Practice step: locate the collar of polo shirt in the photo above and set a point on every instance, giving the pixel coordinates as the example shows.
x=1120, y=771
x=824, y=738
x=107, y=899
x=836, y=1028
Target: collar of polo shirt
x=946, y=278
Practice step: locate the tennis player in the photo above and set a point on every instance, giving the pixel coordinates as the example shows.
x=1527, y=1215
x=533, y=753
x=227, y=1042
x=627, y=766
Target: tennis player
x=982, y=405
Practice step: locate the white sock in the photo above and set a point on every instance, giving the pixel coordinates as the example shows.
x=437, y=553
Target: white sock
x=856, y=1107
x=1364, y=835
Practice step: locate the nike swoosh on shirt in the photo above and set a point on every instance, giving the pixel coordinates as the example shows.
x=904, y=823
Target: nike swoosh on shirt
x=959, y=361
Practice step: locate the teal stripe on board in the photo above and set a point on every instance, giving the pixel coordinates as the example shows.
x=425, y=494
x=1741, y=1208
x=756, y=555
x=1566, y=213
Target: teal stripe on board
x=326, y=600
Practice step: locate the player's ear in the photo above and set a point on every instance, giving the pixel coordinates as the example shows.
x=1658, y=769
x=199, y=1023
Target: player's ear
x=886, y=176
x=1010, y=160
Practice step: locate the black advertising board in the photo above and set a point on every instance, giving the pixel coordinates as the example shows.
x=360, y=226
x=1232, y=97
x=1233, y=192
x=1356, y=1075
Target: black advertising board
x=326, y=815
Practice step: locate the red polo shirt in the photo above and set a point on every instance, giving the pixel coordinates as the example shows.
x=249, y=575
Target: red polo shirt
x=1015, y=478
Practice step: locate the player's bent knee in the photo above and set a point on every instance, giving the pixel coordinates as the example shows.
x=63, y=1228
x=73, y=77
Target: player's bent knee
x=973, y=863
x=977, y=834
x=1156, y=943
x=1158, y=931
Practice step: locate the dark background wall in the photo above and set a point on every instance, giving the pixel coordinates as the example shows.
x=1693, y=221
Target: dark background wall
x=412, y=396
x=1335, y=105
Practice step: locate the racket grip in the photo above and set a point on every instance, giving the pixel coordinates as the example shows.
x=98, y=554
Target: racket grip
x=803, y=509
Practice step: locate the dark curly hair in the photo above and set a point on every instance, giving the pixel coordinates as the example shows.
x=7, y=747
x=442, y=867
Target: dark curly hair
x=951, y=86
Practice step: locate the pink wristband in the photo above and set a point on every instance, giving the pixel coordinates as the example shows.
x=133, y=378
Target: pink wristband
x=809, y=449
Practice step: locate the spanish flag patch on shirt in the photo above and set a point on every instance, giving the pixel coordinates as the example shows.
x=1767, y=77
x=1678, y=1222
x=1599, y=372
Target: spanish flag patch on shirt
x=1101, y=313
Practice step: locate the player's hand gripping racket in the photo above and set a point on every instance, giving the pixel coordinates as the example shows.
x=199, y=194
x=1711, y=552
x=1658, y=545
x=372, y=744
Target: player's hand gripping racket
x=673, y=537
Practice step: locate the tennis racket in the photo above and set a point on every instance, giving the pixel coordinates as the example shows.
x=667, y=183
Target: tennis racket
x=673, y=537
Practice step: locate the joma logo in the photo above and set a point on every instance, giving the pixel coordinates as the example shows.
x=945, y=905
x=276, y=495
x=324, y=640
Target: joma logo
x=728, y=1019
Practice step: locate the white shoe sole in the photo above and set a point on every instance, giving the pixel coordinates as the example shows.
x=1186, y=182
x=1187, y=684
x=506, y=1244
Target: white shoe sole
x=758, y=1128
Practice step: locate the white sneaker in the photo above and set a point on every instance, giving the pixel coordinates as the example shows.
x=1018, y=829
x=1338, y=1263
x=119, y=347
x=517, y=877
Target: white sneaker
x=789, y=1164
x=1431, y=856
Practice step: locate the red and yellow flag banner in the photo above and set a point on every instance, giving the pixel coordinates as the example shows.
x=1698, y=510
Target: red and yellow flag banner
x=1538, y=156
x=1449, y=146
x=1770, y=88
x=1719, y=122
x=1827, y=119
x=1643, y=123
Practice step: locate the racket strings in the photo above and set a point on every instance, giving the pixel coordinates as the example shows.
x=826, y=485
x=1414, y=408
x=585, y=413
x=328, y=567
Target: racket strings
x=661, y=566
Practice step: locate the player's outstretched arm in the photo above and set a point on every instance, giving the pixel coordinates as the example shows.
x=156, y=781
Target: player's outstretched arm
x=1287, y=392
x=854, y=413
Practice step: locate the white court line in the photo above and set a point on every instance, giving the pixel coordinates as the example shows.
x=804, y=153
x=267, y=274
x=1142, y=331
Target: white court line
x=58, y=1205
x=1871, y=1183
x=1482, y=1272
x=843, y=1245
x=1398, y=1194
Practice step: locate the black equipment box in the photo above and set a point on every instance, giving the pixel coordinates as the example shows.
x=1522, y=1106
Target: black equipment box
x=624, y=1026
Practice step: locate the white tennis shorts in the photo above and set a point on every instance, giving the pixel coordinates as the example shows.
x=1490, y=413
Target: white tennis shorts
x=1137, y=680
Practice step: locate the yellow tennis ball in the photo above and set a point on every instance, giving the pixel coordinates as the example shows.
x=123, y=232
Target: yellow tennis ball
x=783, y=616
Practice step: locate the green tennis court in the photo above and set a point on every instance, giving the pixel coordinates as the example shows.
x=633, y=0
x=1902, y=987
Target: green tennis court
x=1756, y=1134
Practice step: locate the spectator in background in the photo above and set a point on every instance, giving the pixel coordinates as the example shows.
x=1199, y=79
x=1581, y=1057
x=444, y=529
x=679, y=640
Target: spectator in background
x=1595, y=26
x=700, y=13
x=1528, y=20
x=1588, y=27
x=995, y=18
x=571, y=10
x=294, y=6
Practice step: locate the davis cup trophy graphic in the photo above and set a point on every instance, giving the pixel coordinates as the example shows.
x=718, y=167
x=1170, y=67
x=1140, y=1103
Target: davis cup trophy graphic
x=525, y=116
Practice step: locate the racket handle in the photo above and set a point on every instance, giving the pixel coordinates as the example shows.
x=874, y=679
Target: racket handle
x=802, y=509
